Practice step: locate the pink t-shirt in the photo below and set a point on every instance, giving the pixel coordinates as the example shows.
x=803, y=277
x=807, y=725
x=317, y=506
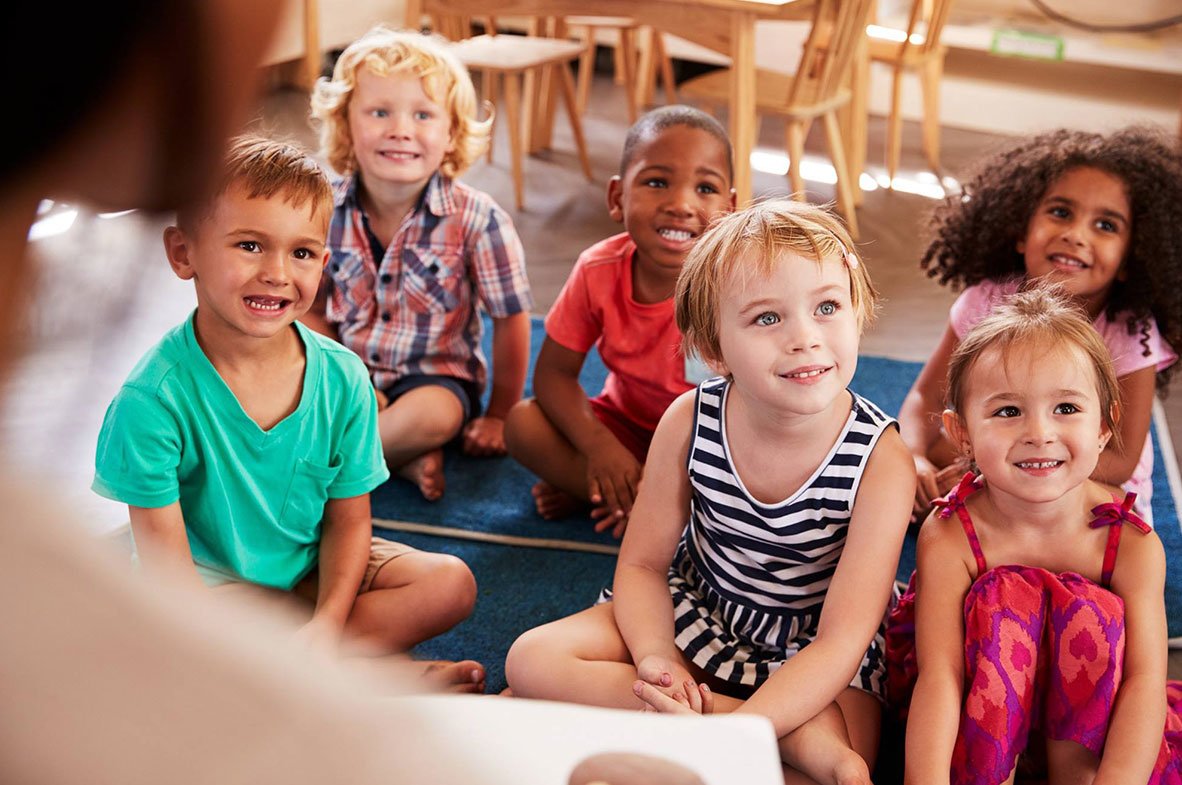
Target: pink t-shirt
x=639, y=342
x=1129, y=353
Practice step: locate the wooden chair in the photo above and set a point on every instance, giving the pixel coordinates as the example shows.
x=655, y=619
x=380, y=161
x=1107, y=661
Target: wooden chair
x=510, y=58
x=636, y=75
x=817, y=89
x=920, y=51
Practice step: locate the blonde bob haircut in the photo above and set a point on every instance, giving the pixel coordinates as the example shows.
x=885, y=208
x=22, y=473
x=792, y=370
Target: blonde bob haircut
x=751, y=242
x=1041, y=318
x=387, y=52
x=266, y=168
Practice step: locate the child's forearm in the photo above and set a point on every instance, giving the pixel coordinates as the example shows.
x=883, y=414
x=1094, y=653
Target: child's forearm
x=565, y=403
x=510, y=363
x=804, y=685
x=1134, y=731
x=344, y=553
x=919, y=425
x=931, y=729
x=643, y=609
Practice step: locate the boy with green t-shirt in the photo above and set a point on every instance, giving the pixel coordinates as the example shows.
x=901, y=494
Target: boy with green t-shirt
x=246, y=445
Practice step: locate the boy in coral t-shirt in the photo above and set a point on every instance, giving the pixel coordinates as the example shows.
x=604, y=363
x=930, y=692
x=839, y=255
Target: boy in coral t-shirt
x=675, y=176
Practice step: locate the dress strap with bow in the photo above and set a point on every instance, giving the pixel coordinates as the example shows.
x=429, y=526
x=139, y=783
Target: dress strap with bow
x=954, y=502
x=1113, y=514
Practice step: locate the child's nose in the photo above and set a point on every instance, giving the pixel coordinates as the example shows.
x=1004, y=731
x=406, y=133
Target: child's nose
x=274, y=269
x=1038, y=430
x=680, y=201
x=399, y=125
x=801, y=335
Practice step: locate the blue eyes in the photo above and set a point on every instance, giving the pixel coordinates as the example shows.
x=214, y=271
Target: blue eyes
x=1014, y=411
x=827, y=308
x=767, y=319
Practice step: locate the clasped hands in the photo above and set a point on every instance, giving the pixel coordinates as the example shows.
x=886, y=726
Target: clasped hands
x=667, y=688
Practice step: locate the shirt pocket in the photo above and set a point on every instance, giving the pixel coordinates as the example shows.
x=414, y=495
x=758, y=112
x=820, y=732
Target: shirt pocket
x=352, y=286
x=432, y=277
x=303, y=508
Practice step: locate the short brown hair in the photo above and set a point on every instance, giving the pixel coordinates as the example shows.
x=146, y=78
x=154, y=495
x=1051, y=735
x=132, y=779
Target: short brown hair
x=771, y=228
x=384, y=52
x=266, y=168
x=1041, y=315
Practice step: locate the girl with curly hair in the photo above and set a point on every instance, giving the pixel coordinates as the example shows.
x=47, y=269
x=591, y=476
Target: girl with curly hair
x=1096, y=213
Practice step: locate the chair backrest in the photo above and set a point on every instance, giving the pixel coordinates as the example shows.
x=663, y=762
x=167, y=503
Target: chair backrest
x=838, y=28
x=926, y=22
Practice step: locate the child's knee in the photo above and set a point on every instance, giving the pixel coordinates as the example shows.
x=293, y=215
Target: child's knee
x=519, y=424
x=526, y=657
x=454, y=582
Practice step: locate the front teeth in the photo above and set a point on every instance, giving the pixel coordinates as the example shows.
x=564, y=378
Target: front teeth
x=807, y=374
x=676, y=235
x=1068, y=261
x=265, y=306
x=1039, y=464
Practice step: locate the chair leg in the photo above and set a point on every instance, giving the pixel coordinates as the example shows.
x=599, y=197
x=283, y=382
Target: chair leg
x=794, y=141
x=894, y=138
x=628, y=46
x=586, y=68
x=666, y=66
x=576, y=124
x=845, y=194
x=930, y=75
x=488, y=87
x=516, y=143
x=646, y=69
x=619, y=70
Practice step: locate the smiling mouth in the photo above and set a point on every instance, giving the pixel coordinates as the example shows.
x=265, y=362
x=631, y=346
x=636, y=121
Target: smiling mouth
x=811, y=373
x=1038, y=464
x=1060, y=260
x=266, y=303
x=396, y=156
x=676, y=235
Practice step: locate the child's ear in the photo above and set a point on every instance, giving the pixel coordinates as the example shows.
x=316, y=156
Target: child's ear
x=176, y=247
x=957, y=433
x=615, y=199
x=734, y=200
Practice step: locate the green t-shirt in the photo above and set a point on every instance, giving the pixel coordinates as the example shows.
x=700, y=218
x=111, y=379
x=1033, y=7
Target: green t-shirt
x=252, y=499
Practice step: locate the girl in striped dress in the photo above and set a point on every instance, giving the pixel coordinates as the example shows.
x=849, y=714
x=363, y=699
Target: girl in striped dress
x=757, y=570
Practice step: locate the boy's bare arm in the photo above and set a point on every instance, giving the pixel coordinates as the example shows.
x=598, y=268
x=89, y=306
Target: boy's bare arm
x=613, y=473
x=510, y=364
x=162, y=544
x=344, y=553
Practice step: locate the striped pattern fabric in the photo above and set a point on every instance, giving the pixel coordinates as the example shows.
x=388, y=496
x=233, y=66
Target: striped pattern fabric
x=749, y=579
x=415, y=310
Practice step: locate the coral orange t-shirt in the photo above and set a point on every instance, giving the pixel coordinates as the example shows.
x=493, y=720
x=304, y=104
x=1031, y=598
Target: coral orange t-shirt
x=639, y=342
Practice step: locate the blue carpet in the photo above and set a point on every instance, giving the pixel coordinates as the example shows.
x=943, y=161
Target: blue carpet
x=523, y=587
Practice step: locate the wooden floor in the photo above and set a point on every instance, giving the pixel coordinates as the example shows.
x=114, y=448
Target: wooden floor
x=106, y=293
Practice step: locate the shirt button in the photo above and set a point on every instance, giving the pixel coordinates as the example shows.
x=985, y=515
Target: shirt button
x=375, y=357
x=386, y=278
x=385, y=316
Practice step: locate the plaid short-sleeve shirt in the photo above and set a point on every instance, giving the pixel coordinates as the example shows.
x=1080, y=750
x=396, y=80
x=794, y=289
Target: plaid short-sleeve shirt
x=416, y=310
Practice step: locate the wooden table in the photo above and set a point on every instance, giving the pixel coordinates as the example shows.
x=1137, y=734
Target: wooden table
x=726, y=26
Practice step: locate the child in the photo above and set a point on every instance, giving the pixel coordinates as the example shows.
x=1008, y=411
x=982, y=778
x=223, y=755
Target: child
x=245, y=445
x=796, y=494
x=675, y=176
x=1095, y=213
x=414, y=251
x=1032, y=612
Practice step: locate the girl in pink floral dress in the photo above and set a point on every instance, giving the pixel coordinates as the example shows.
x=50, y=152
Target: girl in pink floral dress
x=1038, y=604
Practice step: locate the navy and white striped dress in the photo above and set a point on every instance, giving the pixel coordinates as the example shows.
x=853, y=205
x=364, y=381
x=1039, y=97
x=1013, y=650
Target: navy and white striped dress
x=749, y=579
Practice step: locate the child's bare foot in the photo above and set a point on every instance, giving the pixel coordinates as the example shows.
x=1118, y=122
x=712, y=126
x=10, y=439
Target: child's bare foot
x=553, y=503
x=460, y=677
x=426, y=471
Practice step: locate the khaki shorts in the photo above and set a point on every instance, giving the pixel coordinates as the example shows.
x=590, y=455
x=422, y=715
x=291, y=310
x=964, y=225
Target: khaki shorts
x=381, y=553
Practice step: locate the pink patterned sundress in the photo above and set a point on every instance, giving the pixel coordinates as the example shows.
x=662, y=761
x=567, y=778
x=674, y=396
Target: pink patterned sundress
x=1043, y=651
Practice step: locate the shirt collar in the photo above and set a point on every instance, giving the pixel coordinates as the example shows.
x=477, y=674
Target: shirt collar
x=439, y=196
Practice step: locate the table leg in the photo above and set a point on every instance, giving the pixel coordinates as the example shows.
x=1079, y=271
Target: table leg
x=742, y=106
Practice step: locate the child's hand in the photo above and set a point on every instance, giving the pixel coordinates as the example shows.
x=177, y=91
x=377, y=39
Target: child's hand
x=613, y=475
x=485, y=436
x=926, y=488
x=666, y=676
x=700, y=700
x=320, y=636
